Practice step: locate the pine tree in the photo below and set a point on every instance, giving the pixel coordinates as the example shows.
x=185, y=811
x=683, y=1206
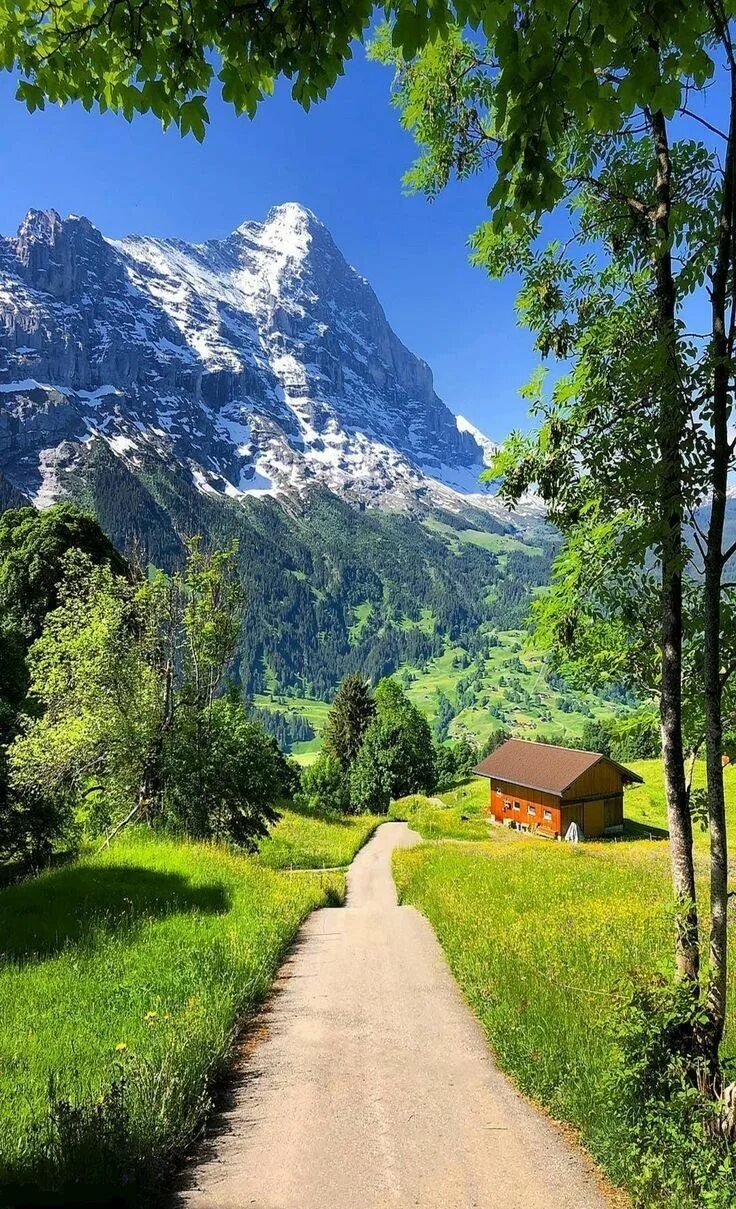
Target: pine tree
x=348, y=719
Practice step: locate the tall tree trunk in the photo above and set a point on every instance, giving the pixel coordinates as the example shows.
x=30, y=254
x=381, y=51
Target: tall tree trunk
x=671, y=423
x=714, y=561
x=151, y=789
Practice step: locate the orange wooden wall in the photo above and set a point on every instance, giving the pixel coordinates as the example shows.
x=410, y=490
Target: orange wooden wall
x=600, y=779
x=605, y=789
x=532, y=805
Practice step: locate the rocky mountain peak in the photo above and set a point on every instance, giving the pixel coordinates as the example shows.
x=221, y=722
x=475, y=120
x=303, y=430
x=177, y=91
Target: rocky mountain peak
x=39, y=225
x=262, y=362
x=57, y=256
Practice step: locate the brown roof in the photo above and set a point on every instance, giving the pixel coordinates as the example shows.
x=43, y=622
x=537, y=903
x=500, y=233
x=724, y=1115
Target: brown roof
x=542, y=765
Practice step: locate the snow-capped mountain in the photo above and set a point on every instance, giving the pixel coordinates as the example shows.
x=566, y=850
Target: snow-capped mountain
x=259, y=363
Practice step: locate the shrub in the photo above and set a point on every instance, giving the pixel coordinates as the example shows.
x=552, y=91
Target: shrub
x=222, y=775
x=324, y=788
x=670, y=1147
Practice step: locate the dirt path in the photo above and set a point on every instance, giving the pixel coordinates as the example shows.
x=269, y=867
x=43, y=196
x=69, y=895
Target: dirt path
x=368, y=1083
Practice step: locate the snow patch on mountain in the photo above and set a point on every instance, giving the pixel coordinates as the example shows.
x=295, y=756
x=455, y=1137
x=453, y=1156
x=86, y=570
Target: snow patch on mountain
x=490, y=448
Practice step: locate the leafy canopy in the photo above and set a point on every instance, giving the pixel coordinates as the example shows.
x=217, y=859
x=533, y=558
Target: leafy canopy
x=560, y=114
x=32, y=549
x=397, y=755
x=506, y=97
x=162, y=57
x=127, y=677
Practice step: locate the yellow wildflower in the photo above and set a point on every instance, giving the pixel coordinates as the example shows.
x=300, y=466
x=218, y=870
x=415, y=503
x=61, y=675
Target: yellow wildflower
x=120, y=1047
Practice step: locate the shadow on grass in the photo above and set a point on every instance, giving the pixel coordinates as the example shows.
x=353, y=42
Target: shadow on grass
x=73, y=905
x=643, y=831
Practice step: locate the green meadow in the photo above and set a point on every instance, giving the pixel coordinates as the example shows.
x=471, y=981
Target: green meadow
x=547, y=941
x=304, y=841
x=510, y=688
x=125, y=978
x=497, y=543
x=455, y=815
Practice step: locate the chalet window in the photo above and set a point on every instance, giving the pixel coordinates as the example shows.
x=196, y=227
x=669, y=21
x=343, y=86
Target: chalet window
x=517, y=806
x=531, y=810
x=548, y=814
x=507, y=805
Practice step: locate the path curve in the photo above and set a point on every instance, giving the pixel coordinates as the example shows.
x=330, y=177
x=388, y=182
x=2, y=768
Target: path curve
x=368, y=1083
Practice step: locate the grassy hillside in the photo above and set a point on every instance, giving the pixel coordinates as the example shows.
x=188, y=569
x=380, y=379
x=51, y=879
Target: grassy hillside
x=547, y=941
x=498, y=543
x=504, y=686
x=304, y=841
x=315, y=713
x=125, y=976
x=645, y=806
x=501, y=685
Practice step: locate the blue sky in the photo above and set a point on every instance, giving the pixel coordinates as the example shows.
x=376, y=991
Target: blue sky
x=344, y=160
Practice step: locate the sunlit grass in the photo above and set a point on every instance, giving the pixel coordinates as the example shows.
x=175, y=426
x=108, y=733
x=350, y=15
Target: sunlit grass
x=645, y=804
x=545, y=939
x=455, y=815
x=124, y=978
x=471, y=796
x=306, y=841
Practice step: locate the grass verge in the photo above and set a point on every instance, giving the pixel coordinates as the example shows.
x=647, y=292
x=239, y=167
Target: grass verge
x=123, y=980
x=645, y=807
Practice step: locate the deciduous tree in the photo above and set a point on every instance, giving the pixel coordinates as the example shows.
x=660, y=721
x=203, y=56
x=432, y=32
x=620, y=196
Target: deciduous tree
x=128, y=677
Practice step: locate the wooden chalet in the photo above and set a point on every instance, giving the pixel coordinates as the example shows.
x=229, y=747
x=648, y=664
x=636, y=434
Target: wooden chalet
x=543, y=788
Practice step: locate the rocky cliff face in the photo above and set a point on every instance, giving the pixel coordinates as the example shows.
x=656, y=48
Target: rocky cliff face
x=260, y=363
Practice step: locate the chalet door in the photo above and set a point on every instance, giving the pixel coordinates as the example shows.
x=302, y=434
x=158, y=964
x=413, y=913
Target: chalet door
x=593, y=824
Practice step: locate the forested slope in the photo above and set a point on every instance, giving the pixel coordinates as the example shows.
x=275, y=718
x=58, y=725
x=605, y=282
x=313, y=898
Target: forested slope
x=330, y=588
